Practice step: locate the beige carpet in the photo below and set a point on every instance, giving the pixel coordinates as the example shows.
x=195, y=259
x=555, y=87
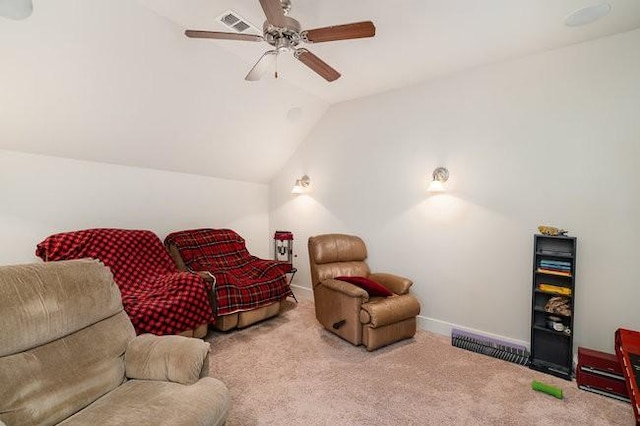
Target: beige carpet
x=290, y=371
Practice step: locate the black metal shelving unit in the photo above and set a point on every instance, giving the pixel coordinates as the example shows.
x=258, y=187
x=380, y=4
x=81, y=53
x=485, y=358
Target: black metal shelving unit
x=552, y=332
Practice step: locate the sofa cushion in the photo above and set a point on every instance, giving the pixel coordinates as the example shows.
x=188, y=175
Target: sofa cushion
x=170, y=358
x=63, y=333
x=51, y=382
x=144, y=402
x=371, y=287
x=37, y=309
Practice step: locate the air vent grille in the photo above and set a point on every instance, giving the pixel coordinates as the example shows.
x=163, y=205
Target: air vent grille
x=237, y=23
x=490, y=346
x=229, y=19
x=241, y=26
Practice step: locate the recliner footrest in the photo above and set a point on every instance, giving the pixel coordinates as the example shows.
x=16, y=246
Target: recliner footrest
x=390, y=310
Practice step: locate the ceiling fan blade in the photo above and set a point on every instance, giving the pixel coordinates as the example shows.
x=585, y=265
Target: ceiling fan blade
x=316, y=64
x=225, y=36
x=262, y=66
x=340, y=32
x=274, y=12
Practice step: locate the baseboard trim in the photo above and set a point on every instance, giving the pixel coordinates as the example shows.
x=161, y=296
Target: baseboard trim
x=302, y=292
x=433, y=325
x=444, y=328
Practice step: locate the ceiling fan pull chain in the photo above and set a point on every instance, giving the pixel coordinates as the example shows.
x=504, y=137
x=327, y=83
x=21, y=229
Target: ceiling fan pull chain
x=276, y=74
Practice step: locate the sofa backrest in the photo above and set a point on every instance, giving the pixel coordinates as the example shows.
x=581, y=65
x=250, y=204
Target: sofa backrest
x=208, y=249
x=132, y=255
x=333, y=255
x=63, y=334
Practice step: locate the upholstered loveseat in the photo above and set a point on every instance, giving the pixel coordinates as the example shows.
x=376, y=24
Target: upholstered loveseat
x=69, y=355
x=246, y=289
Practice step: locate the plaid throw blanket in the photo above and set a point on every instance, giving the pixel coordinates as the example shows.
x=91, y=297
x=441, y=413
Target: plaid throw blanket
x=243, y=282
x=157, y=298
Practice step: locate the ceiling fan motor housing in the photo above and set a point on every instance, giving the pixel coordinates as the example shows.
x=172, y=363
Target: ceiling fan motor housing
x=283, y=38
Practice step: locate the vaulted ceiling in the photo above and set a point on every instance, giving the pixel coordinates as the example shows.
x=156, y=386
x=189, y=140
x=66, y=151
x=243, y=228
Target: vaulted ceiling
x=117, y=81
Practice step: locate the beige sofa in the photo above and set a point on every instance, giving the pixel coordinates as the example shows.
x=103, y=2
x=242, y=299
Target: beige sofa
x=69, y=355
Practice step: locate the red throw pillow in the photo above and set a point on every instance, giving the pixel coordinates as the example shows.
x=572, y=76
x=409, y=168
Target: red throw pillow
x=372, y=287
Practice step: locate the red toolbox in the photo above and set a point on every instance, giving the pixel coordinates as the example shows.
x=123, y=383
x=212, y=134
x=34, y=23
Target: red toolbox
x=601, y=373
x=628, y=351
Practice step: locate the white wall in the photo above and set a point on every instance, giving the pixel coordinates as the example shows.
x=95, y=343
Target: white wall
x=42, y=195
x=549, y=139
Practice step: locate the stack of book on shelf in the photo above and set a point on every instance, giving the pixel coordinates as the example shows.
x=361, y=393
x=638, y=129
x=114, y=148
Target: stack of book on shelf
x=550, y=288
x=555, y=267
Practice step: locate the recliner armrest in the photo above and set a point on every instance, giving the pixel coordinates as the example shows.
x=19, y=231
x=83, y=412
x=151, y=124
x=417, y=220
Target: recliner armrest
x=345, y=288
x=167, y=358
x=395, y=283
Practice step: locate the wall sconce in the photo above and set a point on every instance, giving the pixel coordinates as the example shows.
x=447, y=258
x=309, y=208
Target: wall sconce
x=16, y=9
x=301, y=185
x=440, y=176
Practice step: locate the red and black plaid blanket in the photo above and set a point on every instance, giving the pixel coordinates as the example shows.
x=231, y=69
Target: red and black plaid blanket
x=243, y=281
x=157, y=298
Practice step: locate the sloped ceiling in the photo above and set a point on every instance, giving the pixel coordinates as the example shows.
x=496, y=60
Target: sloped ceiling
x=116, y=80
x=111, y=81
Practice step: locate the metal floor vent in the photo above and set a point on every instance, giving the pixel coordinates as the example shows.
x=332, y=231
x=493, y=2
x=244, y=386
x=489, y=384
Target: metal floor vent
x=495, y=348
x=237, y=23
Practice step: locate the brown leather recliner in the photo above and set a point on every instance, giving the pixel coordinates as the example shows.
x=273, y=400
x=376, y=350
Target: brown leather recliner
x=348, y=310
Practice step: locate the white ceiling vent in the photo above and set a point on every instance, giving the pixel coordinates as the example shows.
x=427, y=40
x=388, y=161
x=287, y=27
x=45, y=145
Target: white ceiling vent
x=237, y=23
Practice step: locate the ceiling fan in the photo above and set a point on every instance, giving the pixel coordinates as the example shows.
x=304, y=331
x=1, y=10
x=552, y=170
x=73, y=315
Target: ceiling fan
x=285, y=34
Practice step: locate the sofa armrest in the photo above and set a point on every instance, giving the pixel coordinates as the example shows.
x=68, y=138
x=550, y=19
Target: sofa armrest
x=168, y=358
x=345, y=288
x=395, y=283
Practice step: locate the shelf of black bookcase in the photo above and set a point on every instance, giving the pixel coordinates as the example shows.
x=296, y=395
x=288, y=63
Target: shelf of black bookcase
x=552, y=274
x=551, y=368
x=548, y=330
x=541, y=310
x=549, y=293
x=555, y=254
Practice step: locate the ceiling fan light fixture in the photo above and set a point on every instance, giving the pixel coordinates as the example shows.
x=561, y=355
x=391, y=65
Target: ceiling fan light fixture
x=587, y=15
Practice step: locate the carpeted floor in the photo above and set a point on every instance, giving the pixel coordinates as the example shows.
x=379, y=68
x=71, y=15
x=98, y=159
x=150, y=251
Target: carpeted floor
x=290, y=371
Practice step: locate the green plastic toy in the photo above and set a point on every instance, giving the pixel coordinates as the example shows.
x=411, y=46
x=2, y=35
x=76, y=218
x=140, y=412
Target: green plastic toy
x=548, y=389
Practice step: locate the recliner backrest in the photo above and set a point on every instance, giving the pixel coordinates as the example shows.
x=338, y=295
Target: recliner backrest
x=333, y=255
x=133, y=255
x=63, y=333
x=208, y=249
